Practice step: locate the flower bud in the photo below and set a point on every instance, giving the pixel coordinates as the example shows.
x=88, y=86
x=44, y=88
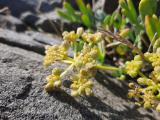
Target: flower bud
x=158, y=108
x=131, y=85
x=88, y=91
x=74, y=93
x=80, y=31
x=147, y=105
x=124, y=33
x=57, y=83
x=49, y=87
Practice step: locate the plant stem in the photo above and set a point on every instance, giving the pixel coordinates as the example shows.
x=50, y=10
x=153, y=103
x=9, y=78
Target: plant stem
x=103, y=67
x=70, y=59
x=67, y=61
x=142, y=75
x=68, y=69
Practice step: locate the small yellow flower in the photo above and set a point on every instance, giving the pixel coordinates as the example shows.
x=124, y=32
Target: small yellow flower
x=87, y=57
x=54, y=53
x=133, y=67
x=81, y=84
x=80, y=31
x=154, y=58
x=70, y=36
x=81, y=87
x=158, y=108
x=156, y=74
x=54, y=80
x=147, y=105
x=92, y=38
x=144, y=81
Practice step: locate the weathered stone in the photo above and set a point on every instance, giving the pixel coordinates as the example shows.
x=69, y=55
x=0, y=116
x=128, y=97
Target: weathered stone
x=22, y=96
x=20, y=40
x=13, y=23
x=108, y=6
x=45, y=38
x=45, y=7
x=17, y=7
x=49, y=22
x=52, y=23
x=56, y=3
x=30, y=19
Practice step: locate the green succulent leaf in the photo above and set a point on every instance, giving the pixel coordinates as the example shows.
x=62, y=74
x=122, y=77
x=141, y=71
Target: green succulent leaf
x=156, y=45
x=65, y=16
x=82, y=6
x=147, y=7
x=102, y=52
x=152, y=25
x=86, y=21
x=132, y=11
x=71, y=12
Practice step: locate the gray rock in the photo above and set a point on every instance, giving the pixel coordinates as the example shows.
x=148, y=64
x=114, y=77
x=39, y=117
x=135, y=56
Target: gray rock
x=45, y=7
x=22, y=78
x=13, y=23
x=45, y=38
x=108, y=6
x=57, y=3
x=52, y=23
x=30, y=19
x=30, y=40
x=20, y=40
x=18, y=7
x=49, y=22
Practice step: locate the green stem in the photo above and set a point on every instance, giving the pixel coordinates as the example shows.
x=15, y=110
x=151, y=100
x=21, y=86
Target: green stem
x=67, y=61
x=103, y=67
x=67, y=70
x=142, y=75
x=70, y=59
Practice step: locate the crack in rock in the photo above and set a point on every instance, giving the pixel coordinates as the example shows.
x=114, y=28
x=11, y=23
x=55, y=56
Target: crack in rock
x=25, y=92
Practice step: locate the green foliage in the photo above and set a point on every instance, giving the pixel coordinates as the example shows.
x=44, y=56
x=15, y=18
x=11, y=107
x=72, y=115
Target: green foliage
x=85, y=16
x=90, y=49
x=147, y=7
x=152, y=24
x=128, y=10
x=88, y=58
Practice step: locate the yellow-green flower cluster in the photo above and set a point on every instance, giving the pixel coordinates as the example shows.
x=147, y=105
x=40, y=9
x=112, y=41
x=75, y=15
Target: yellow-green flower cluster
x=54, y=80
x=92, y=38
x=80, y=34
x=83, y=63
x=147, y=91
x=55, y=53
x=81, y=84
x=154, y=58
x=87, y=57
x=133, y=67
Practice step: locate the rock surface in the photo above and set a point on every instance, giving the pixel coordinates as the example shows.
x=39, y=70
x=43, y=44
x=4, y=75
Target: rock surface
x=20, y=40
x=12, y=23
x=22, y=75
x=17, y=7
x=22, y=78
x=33, y=41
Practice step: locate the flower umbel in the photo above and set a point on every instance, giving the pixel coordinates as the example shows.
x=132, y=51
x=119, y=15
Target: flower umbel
x=85, y=62
x=133, y=67
x=54, y=53
x=54, y=80
x=147, y=91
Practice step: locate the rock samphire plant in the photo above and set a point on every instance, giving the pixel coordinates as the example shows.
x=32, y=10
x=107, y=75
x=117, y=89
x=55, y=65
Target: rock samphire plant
x=89, y=51
x=146, y=91
x=88, y=57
